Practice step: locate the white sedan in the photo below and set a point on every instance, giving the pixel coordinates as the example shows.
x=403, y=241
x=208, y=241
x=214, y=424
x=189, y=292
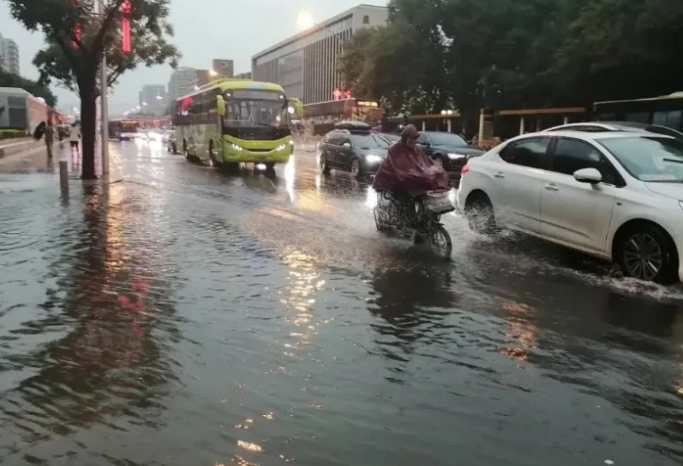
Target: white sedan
x=614, y=195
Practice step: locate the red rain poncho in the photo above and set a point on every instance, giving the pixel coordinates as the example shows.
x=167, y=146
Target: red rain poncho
x=410, y=170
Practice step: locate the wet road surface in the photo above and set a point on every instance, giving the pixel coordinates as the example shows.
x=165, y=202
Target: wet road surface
x=182, y=316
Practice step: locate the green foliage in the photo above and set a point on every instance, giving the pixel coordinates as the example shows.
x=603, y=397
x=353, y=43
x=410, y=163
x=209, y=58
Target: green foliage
x=33, y=87
x=434, y=54
x=12, y=133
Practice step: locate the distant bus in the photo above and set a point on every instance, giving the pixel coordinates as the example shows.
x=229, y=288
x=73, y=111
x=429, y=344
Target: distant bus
x=665, y=111
x=123, y=130
x=231, y=121
x=321, y=117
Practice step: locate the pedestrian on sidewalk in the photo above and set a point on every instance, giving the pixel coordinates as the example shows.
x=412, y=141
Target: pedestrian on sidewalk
x=49, y=140
x=75, y=138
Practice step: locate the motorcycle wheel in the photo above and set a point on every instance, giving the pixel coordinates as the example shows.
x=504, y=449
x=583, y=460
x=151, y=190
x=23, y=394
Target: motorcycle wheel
x=441, y=243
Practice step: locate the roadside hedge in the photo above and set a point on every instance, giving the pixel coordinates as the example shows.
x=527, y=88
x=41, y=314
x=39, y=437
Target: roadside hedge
x=12, y=133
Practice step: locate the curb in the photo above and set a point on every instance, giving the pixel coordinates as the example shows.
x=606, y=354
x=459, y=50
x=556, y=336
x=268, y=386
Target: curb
x=19, y=147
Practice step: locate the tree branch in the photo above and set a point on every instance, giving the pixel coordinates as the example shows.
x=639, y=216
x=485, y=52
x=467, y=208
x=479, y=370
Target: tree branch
x=75, y=65
x=109, y=17
x=115, y=74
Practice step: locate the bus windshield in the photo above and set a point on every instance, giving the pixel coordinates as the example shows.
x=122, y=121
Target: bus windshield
x=246, y=112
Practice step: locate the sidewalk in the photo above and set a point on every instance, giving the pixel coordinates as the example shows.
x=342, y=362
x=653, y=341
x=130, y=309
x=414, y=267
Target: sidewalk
x=35, y=160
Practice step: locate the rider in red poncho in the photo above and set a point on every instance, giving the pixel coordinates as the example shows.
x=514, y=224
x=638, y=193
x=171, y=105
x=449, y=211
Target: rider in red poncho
x=406, y=168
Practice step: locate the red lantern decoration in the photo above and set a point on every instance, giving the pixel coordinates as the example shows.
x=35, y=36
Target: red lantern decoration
x=76, y=31
x=125, y=27
x=347, y=94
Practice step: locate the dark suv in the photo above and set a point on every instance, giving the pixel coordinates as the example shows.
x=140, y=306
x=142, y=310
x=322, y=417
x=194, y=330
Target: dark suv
x=449, y=149
x=352, y=147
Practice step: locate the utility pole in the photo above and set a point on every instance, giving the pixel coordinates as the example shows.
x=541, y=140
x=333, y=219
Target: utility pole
x=104, y=107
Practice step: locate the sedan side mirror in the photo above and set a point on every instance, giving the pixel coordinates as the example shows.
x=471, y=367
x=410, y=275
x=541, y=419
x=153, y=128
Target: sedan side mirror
x=346, y=145
x=588, y=175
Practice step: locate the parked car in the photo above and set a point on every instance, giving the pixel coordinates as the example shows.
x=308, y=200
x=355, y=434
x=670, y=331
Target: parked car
x=600, y=126
x=615, y=195
x=451, y=150
x=354, y=147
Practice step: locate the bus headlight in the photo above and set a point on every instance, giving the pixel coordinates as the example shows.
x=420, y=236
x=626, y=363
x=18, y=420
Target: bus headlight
x=291, y=142
x=280, y=147
x=236, y=147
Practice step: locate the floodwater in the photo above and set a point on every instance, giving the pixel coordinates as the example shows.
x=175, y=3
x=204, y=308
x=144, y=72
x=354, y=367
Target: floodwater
x=184, y=317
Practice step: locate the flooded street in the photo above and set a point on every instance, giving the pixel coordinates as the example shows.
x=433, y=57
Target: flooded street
x=186, y=317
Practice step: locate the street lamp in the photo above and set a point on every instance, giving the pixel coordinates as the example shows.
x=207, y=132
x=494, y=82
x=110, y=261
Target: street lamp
x=213, y=73
x=305, y=20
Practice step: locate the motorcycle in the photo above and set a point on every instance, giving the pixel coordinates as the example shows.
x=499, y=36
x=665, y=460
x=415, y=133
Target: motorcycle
x=422, y=225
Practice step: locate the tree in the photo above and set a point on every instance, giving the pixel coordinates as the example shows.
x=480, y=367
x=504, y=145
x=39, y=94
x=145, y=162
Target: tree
x=77, y=38
x=35, y=88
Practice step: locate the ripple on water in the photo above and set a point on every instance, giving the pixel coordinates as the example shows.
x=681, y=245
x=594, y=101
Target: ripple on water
x=229, y=329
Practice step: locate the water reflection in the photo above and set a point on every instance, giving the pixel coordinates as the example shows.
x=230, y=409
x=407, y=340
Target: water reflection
x=109, y=367
x=411, y=304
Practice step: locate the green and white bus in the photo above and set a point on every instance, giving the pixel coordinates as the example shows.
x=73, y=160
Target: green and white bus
x=232, y=121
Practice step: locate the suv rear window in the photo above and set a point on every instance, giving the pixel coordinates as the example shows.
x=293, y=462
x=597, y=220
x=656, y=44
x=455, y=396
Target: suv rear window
x=368, y=141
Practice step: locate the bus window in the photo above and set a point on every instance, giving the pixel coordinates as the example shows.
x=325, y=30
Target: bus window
x=641, y=117
x=669, y=119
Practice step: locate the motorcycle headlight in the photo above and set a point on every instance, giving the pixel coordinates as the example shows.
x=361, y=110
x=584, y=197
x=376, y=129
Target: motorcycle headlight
x=236, y=147
x=372, y=158
x=457, y=156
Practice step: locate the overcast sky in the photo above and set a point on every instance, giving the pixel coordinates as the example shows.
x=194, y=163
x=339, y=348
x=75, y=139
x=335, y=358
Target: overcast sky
x=205, y=29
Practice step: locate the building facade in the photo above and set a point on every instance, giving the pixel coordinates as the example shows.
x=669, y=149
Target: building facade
x=305, y=65
x=153, y=99
x=243, y=76
x=223, y=68
x=9, y=55
x=182, y=82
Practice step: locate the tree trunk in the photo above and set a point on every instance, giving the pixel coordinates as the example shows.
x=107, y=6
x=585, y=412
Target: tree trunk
x=88, y=91
x=88, y=132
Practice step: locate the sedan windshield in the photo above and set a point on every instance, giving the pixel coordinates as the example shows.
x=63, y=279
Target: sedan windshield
x=447, y=139
x=241, y=112
x=369, y=141
x=650, y=159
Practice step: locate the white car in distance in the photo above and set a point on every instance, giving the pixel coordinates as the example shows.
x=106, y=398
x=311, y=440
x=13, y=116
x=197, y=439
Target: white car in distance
x=614, y=195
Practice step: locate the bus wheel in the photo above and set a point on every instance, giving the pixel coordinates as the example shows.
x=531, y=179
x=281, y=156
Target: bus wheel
x=212, y=156
x=186, y=151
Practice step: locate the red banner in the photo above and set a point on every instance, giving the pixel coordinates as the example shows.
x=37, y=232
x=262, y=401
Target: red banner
x=125, y=27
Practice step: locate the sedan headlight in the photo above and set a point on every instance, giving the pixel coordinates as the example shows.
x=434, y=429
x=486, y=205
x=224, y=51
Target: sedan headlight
x=236, y=147
x=457, y=156
x=372, y=158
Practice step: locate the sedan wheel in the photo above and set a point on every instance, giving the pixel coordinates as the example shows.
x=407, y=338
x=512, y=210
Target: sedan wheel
x=648, y=254
x=324, y=167
x=356, y=171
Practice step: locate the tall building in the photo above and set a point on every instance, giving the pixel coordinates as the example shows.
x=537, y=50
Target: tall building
x=202, y=77
x=153, y=99
x=182, y=82
x=223, y=68
x=243, y=76
x=305, y=65
x=9, y=55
